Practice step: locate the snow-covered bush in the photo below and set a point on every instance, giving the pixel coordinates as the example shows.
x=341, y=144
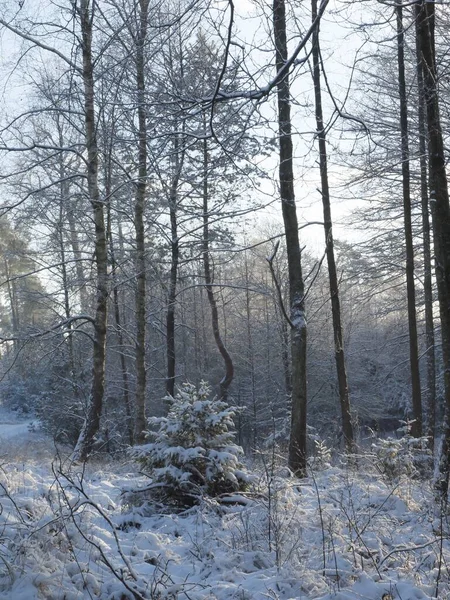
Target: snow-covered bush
x=322, y=456
x=193, y=451
x=406, y=456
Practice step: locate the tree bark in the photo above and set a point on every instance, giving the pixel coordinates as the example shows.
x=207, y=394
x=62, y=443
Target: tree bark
x=416, y=428
x=175, y=257
x=251, y=355
x=425, y=13
x=427, y=285
x=92, y=421
x=141, y=187
x=339, y=354
x=297, y=442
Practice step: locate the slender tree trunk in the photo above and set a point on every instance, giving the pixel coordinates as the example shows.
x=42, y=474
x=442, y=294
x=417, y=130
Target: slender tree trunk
x=198, y=371
x=416, y=428
x=108, y=120
x=171, y=301
x=65, y=280
x=267, y=354
x=81, y=278
x=116, y=305
x=251, y=355
x=74, y=241
x=228, y=362
x=428, y=285
x=120, y=336
x=285, y=355
x=339, y=354
x=64, y=209
x=204, y=344
x=65, y=283
x=92, y=421
x=441, y=222
x=297, y=442
x=175, y=257
x=141, y=187
x=12, y=303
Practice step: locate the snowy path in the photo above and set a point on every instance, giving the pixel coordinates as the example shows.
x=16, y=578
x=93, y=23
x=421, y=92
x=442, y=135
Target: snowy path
x=9, y=430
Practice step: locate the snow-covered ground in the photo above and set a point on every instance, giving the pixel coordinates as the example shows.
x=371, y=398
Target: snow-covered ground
x=10, y=430
x=66, y=534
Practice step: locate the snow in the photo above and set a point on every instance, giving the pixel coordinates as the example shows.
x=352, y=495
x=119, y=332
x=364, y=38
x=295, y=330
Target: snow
x=11, y=429
x=338, y=535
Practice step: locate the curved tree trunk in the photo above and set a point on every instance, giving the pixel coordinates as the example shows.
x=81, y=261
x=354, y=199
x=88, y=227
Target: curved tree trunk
x=229, y=367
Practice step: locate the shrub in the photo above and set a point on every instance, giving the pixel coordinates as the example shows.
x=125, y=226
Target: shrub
x=406, y=456
x=193, y=451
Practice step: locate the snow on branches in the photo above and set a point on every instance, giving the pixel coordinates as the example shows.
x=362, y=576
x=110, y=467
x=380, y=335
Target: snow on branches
x=193, y=452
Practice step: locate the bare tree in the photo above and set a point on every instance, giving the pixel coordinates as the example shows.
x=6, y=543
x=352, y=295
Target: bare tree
x=346, y=416
x=439, y=197
x=141, y=187
x=85, y=13
x=416, y=428
x=428, y=284
x=297, y=443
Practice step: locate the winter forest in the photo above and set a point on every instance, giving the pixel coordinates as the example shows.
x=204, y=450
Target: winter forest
x=224, y=300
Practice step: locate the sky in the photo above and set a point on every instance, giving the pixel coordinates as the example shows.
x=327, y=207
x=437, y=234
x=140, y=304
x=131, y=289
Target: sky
x=340, y=44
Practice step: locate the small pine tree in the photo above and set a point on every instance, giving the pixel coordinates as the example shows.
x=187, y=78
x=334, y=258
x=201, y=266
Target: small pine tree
x=193, y=451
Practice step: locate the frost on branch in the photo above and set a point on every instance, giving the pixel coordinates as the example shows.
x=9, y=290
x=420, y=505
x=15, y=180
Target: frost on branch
x=193, y=451
x=406, y=456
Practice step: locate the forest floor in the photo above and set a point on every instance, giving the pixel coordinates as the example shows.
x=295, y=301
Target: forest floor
x=69, y=534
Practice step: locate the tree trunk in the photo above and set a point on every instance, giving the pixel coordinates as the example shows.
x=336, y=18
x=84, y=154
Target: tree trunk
x=175, y=257
x=81, y=279
x=92, y=421
x=441, y=223
x=12, y=303
x=170, y=322
x=120, y=339
x=297, y=442
x=229, y=367
x=416, y=428
x=251, y=355
x=284, y=333
x=118, y=320
x=63, y=197
x=141, y=187
x=339, y=354
x=428, y=286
